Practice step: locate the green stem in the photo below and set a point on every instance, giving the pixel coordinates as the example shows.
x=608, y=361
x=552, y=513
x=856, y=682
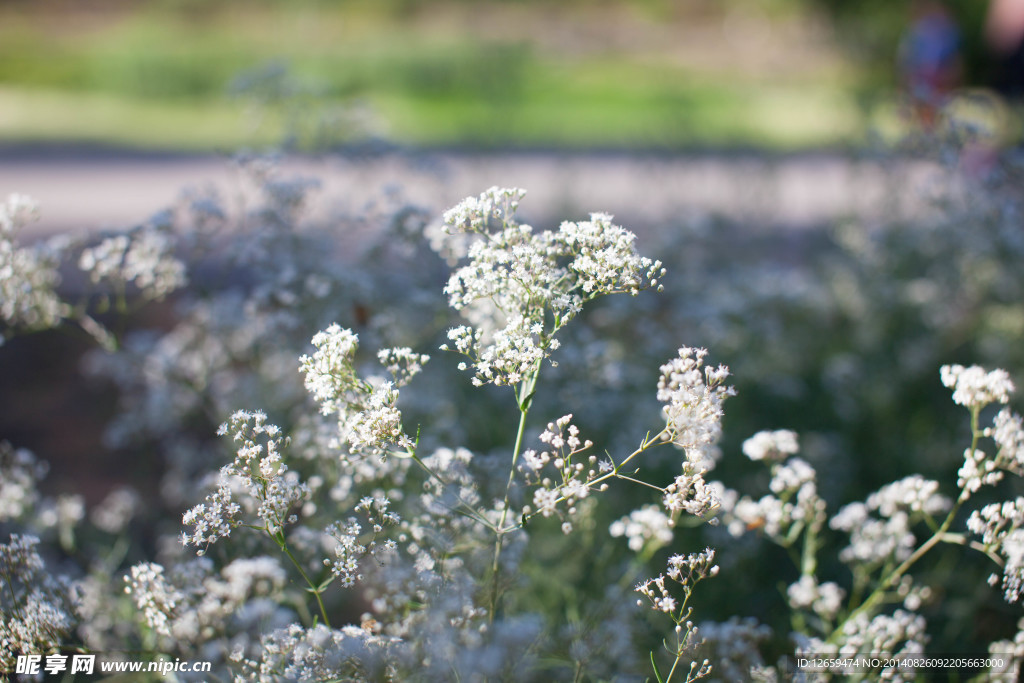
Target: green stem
x=808, y=560
x=525, y=399
x=315, y=590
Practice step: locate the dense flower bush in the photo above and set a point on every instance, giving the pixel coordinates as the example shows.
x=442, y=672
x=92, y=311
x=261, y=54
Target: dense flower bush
x=350, y=482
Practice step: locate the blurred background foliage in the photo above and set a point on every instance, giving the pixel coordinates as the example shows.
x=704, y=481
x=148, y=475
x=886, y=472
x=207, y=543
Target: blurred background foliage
x=620, y=73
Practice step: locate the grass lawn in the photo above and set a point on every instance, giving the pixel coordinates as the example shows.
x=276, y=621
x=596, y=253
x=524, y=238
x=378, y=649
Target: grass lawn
x=159, y=74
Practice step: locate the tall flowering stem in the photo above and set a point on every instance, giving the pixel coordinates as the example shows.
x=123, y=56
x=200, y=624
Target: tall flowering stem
x=525, y=400
x=266, y=484
x=975, y=389
x=518, y=289
x=686, y=572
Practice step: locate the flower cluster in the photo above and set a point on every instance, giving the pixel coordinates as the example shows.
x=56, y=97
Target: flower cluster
x=1012, y=653
x=369, y=420
x=979, y=469
x=192, y=601
x=793, y=504
x=269, y=489
x=772, y=446
x=900, y=634
x=874, y=541
x=143, y=257
x=349, y=549
x=1001, y=528
x=686, y=571
x=19, y=473
x=35, y=612
x=575, y=479
x=402, y=363
x=914, y=495
x=329, y=373
x=689, y=493
x=975, y=388
x=646, y=528
x=28, y=275
x=693, y=395
x=318, y=653
x=520, y=287
x=824, y=599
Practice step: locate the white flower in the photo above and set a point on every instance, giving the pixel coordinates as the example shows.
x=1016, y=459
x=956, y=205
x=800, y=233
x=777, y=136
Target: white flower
x=329, y=373
x=1001, y=527
x=647, y=526
x=913, y=494
x=28, y=275
x=693, y=396
x=258, y=473
x=690, y=493
x=825, y=599
x=777, y=445
x=974, y=387
x=519, y=288
x=19, y=473
x=143, y=257
x=1008, y=432
x=152, y=594
x=402, y=363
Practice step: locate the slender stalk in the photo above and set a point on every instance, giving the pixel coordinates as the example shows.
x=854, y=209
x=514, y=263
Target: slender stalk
x=500, y=530
x=315, y=590
x=525, y=399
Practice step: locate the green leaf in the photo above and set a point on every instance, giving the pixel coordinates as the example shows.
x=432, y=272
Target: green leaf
x=657, y=674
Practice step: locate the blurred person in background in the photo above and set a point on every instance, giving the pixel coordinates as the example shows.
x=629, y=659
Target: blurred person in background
x=929, y=60
x=1004, y=34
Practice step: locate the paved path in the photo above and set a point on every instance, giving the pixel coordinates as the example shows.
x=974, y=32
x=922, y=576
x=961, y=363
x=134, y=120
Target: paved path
x=95, y=190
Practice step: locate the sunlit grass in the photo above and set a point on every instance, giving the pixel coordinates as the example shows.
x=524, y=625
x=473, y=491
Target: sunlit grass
x=160, y=78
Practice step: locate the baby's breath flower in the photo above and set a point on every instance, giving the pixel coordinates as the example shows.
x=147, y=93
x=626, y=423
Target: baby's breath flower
x=348, y=549
x=1008, y=432
x=28, y=275
x=693, y=396
x=824, y=599
x=519, y=287
x=402, y=363
x=777, y=445
x=190, y=600
x=329, y=371
x=143, y=257
x=319, y=654
x=913, y=494
x=19, y=473
x=873, y=541
x=974, y=387
x=646, y=527
x=153, y=595
x=1001, y=528
x=690, y=493
x=686, y=571
x=35, y=613
x=258, y=472
x=368, y=417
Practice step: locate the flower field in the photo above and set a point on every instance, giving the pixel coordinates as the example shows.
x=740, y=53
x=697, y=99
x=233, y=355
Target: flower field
x=480, y=449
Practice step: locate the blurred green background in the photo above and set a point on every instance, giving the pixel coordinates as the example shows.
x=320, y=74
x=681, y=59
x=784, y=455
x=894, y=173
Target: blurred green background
x=215, y=74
